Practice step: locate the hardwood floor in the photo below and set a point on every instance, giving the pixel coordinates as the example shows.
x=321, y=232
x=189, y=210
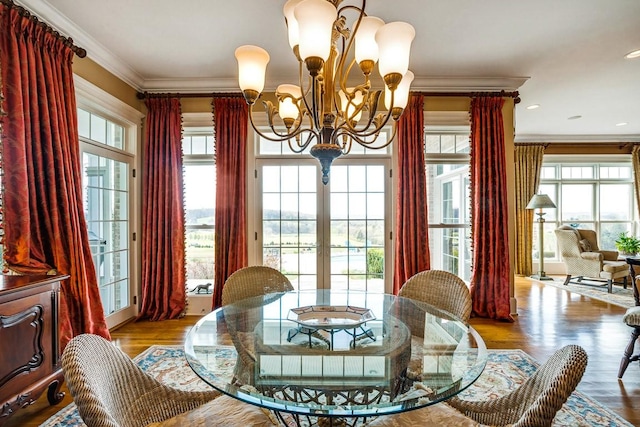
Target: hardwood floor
x=548, y=318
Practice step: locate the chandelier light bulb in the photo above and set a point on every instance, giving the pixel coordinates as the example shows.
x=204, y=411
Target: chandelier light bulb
x=292, y=23
x=394, y=44
x=252, y=66
x=288, y=97
x=315, y=26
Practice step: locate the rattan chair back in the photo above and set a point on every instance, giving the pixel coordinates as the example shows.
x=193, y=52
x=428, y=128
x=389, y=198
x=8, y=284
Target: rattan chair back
x=536, y=402
x=110, y=390
x=254, y=281
x=441, y=289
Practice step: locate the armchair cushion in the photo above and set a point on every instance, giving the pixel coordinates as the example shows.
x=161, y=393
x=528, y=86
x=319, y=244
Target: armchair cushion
x=585, y=245
x=632, y=316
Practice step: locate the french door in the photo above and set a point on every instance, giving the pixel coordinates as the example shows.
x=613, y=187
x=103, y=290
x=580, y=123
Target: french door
x=335, y=236
x=106, y=189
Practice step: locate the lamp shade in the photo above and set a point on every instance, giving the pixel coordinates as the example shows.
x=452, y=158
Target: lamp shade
x=540, y=201
x=315, y=26
x=394, y=45
x=287, y=107
x=401, y=96
x=252, y=66
x=366, y=46
x=292, y=23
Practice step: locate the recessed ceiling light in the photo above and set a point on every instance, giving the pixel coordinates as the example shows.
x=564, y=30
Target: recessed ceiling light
x=533, y=106
x=634, y=54
x=622, y=124
x=574, y=117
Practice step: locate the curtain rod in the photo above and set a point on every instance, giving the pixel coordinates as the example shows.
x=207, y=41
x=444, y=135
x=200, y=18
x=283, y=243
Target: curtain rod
x=142, y=95
x=504, y=94
x=145, y=95
x=68, y=41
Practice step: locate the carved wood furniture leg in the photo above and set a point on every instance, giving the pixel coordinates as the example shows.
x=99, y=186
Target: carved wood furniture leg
x=609, y=285
x=628, y=352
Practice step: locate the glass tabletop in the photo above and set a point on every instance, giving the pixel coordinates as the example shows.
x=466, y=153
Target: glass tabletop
x=336, y=353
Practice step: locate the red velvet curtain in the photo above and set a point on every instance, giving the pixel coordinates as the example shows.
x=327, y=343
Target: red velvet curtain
x=489, y=216
x=412, y=235
x=231, y=116
x=44, y=223
x=163, y=222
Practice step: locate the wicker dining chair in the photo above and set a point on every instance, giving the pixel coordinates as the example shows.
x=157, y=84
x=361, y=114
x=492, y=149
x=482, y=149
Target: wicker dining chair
x=441, y=289
x=534, y=403
x=253, y=281
x=244, y=283
x=111, y=390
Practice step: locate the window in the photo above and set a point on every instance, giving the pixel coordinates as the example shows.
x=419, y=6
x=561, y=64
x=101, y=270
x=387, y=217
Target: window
x=109, y=132
x=597, y=196
x=324, y=236
x=199, y=205
x=447, y=169
x=106, y=186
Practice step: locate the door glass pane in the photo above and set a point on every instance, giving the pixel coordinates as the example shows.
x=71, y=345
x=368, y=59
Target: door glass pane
x=357, y=234
x=105, y=190
x=290, y=223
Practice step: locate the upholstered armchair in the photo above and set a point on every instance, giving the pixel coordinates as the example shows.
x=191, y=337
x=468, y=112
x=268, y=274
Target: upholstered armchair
x=583, y=258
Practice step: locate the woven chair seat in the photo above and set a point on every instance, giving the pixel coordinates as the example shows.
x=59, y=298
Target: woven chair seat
x=224, y=411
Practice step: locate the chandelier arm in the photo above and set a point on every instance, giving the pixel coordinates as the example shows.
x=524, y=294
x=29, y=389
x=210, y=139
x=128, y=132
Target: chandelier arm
x=344, y=75
x=279, y=136
x=315, y=104
x=304, y=92
x=301, y=147
x=367, y=144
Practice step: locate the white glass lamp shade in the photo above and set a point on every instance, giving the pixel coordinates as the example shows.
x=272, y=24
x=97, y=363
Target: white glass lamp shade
x=401, y=96
x=292, y=23
x=351, y=107
x=366, y=46
x=315, y=25
x=394, y=45
x=287, y=106
x=252, y=66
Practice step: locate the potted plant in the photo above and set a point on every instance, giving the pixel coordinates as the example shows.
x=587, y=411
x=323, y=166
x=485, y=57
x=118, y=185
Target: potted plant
x=627, y=245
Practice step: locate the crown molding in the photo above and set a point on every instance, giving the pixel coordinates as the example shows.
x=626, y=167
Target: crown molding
x=89, y=95
x=576, y=138
x=95, y=51
x=467, y=84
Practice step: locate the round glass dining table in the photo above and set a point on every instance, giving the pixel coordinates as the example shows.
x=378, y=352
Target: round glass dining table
x=330, y=353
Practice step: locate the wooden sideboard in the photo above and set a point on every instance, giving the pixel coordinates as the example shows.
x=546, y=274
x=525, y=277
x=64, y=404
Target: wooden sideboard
x=29, y=345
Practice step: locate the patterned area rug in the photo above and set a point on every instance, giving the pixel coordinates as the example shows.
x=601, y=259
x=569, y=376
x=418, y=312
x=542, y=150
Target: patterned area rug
x=505, y=370
x=619, y=296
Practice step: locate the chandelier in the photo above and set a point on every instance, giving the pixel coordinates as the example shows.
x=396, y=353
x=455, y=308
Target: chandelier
x=325, y=111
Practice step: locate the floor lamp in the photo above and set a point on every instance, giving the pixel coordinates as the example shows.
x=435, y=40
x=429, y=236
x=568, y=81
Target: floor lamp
x=540, y=201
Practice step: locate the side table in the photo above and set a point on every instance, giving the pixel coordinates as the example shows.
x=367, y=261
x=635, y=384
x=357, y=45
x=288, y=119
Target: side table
x=634, y=261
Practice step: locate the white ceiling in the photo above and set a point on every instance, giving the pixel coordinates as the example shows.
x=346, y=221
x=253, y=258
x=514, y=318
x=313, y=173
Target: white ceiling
x=567, y=56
